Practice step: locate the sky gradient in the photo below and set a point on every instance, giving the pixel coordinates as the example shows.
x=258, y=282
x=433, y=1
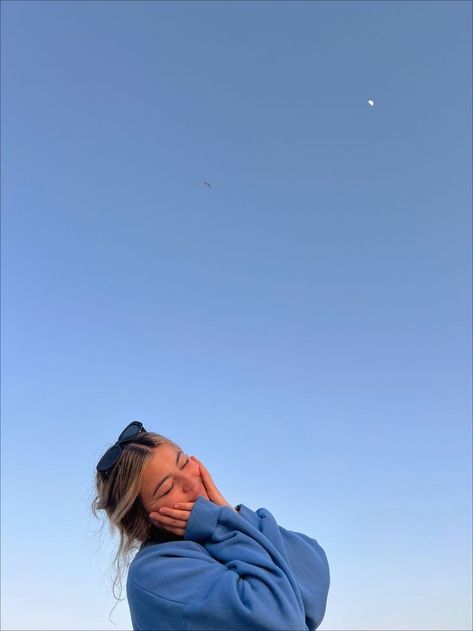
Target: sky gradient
x=303, y=326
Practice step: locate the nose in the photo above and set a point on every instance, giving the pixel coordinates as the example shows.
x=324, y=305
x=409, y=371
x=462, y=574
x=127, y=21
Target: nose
x=191, y=485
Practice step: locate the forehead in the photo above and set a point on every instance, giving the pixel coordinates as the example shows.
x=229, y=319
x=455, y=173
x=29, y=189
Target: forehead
x=163, y=459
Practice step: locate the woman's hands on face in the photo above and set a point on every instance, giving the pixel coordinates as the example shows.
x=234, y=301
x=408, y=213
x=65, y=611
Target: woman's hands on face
x=175, y=519
x=213, y=493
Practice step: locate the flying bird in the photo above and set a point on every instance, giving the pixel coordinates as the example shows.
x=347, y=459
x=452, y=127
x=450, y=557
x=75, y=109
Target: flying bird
x=371, y=102
x=207, y=184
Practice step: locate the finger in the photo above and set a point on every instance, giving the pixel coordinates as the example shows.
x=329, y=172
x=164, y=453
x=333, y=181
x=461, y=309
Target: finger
x=201, y=465
x=207, y=481
x=198, y=462
x=203, y=471
x=181, y=511
x=174, y=521
x=178, y=528
x=184, y=505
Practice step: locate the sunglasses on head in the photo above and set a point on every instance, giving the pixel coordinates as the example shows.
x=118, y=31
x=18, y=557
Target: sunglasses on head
x=111, y=456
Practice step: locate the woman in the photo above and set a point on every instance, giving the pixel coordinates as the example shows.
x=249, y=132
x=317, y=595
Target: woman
x=203, y=564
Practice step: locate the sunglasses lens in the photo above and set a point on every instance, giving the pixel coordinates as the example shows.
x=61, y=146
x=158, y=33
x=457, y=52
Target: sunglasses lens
x=109, y=458
x=131, y=431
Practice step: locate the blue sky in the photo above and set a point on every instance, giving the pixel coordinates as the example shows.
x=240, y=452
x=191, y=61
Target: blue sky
x=303, y=326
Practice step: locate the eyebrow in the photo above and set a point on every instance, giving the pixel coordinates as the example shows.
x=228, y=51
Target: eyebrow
x=168, y=476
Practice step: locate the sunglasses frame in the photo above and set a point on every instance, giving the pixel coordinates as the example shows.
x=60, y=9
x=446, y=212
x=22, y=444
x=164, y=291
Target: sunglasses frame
x=103, y=464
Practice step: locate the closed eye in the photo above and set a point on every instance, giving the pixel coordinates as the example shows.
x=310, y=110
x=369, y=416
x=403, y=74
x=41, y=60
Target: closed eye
x=187, y=462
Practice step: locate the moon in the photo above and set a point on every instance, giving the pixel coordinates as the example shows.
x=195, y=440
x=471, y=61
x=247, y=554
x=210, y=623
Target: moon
x=371, y=102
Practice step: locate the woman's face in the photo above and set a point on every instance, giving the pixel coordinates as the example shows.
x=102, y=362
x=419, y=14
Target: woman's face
x=170, y=476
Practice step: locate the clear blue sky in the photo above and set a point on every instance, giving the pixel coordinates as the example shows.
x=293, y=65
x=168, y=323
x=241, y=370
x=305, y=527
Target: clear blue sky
x=303, y=326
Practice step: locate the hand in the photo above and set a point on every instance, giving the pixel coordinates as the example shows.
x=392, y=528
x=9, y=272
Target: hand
x=213, y=493
x=173, y=519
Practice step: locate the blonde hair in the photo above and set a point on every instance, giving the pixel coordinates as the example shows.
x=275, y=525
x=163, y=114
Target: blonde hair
x=118, y=495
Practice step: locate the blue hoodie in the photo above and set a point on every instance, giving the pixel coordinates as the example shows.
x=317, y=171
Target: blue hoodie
x=230, y=571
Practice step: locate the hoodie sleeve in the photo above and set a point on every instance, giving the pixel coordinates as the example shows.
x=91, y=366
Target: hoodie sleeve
x=307, y=560
x=237, y=578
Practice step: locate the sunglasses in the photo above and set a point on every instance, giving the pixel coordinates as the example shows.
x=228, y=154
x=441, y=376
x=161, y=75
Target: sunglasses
x=111, y=456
